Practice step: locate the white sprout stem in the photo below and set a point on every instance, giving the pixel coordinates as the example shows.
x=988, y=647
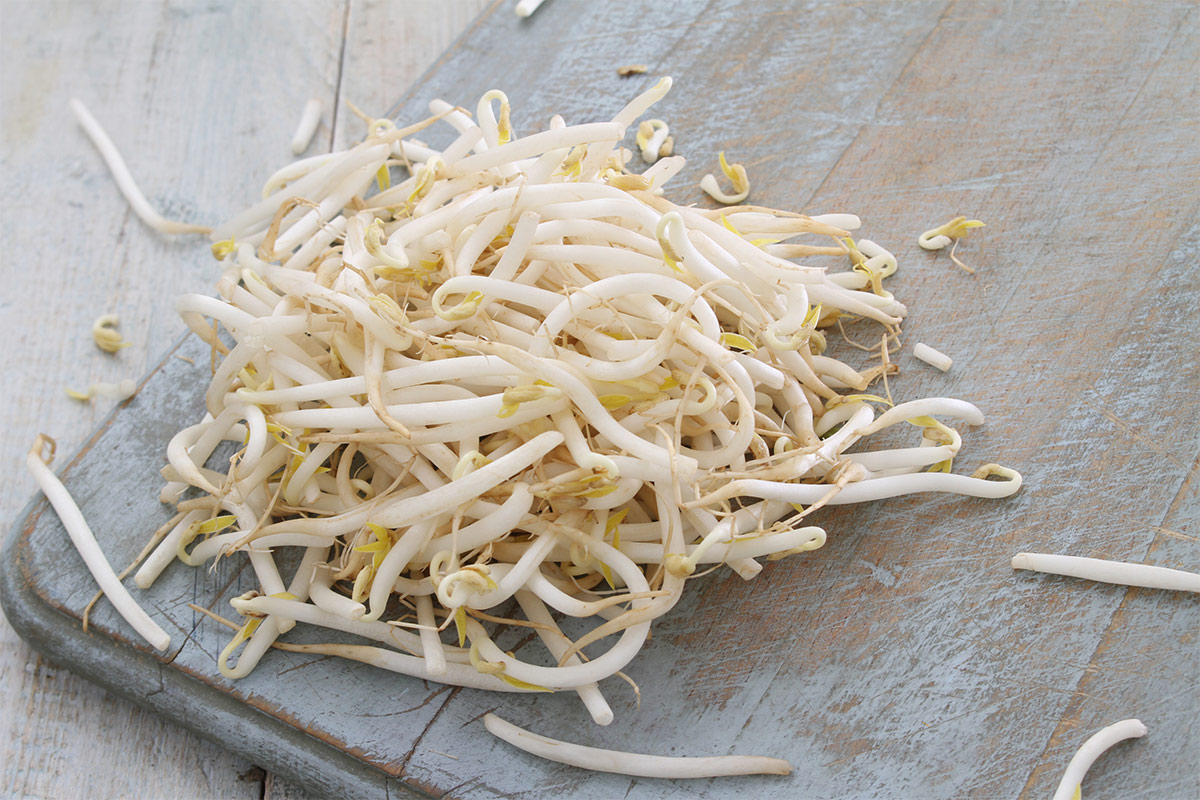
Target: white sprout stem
x=161, y=557
x=637, y=764
x=526, y=8
x=309, y=120
x=1122, y=573
x=87, y=546
x=431, y=643
x=113, y=391
x=116, y=165
x=328, y=600
x=1092, y=749
x=929, y=240
x=557, y=643
x=932, y=357
x=709, y=184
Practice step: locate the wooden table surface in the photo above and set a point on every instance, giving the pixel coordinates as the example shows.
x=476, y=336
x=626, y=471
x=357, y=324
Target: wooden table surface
x=1070, y=128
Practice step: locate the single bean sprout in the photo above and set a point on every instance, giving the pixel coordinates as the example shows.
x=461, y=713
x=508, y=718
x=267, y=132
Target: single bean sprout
x=309, y=120
x=1069, y=788
x=631, y=69
x=38, y=460
x=112, y=157
x=654, y=140
x=636, y=764
x=1122, y=573
x=113, y=391
x=523, y=383
x=932, y=357
x=526, y=8
x=105, y=334
x=954, y=230
x=736, y=174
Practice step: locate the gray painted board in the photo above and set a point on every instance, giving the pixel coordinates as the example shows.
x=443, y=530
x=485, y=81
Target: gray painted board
x=905, y=658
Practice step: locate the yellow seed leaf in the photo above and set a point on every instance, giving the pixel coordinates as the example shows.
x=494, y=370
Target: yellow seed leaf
x=216, y=523
x=223, y=248
x=614, y=401
x=608, y=577
x=520, y=684
x=610, y=527
x=738, y=341
x=812, y=317
x=383, y=177
x=246, y=631
x=601, y=492
x=460, y=624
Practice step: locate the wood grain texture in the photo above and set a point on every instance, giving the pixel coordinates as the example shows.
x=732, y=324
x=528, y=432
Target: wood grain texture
x=905, y=659
x=202, y=98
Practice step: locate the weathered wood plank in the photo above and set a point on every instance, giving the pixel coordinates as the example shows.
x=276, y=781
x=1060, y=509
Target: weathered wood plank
x=169, y=83
x=905, y=658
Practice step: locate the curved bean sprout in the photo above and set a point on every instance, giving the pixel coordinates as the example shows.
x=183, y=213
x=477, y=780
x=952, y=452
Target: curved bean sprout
x=1093, y=748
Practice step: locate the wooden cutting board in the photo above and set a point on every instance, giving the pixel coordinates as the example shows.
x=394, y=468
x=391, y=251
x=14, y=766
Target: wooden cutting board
x=905, y=658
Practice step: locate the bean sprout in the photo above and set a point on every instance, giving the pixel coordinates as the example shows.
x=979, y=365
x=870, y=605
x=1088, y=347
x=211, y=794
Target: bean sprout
x=954, y=230
x=526, y=8
x=85, y=542
x=932, y=357
x=1122, y=573
x=637, y=764
x=112, y=157
x=736, y=174
x=105, y=335
x=522, y=382
x=113, y=391
x=309, y=120
x=1072, y=779
x=654, y=140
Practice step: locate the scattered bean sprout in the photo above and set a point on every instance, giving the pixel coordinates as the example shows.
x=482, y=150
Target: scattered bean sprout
x=526, y=8
x=112, y=157
x=309, y=120
x=522, y=381
x=636, y=764
x=932, y=357
x=105, y=334
x=631, y=69
x=1070, y=786
x=654, y=140
x=1122, y=573
x=736, y=174
x=113, y=391
x=38, y=460
x=954, y=230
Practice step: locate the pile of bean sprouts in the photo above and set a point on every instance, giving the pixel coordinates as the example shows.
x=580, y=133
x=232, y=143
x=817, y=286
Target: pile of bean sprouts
x=519, y=384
